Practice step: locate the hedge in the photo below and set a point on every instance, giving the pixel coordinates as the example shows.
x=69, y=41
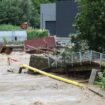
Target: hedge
x=8, y=27
x=37, y=33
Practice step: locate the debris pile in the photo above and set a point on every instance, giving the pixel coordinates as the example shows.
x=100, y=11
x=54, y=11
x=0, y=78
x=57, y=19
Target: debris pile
x=44, y=45
x=5, y=49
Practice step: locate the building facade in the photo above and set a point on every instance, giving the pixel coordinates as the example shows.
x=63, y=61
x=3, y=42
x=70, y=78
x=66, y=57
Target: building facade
x=58, y=17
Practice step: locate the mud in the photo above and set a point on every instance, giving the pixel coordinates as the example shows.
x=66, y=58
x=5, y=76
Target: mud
x=25, y=89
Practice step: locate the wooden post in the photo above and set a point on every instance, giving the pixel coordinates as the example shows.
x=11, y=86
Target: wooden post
x=80, y=56
x=72, y=58
x=56, y=61
x=90, y=56
x=20, y=70
x=8, y=60
x=92, y=76
x=100, y=59
x=49, y=65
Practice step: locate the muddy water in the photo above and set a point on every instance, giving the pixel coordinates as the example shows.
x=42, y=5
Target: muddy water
x=25, y=89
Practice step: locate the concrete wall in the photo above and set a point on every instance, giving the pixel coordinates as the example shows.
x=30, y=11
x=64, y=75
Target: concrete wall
x=58, y=17
x=9, y=36
x=65, y=17
x=47, y=13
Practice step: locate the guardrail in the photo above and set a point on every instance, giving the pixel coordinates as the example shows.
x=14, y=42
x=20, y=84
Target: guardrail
x=84, y=56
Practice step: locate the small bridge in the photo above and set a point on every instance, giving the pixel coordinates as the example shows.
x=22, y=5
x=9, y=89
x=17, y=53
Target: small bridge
x=85, y=60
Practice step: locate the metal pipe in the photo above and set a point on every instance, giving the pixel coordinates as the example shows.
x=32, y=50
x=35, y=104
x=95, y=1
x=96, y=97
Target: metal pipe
x=53, y=76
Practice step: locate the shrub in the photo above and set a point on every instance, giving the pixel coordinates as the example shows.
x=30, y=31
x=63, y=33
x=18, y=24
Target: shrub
x=90, y=22
x=5, y=27
x=101, y=79
x=78, y=44
x=37, y=33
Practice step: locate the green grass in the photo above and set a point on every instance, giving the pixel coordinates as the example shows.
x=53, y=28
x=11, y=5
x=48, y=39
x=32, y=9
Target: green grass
x=37, y=33
x=101, y=79
x=8, y=27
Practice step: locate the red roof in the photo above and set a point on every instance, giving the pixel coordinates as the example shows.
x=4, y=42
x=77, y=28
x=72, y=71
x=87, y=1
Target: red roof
x=48, y=42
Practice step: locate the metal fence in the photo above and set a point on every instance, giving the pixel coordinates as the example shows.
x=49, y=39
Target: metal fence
x=85, y=56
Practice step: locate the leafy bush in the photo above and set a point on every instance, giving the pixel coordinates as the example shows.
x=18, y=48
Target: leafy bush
x=16, y=11
x=5, y=27
x=32, y=34
x=78, y=44
x=90, y=22
x=101, y=79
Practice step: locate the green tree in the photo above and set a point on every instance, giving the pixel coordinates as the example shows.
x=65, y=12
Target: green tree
x=18, y=11
x=15, y=11
x=90, y=23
